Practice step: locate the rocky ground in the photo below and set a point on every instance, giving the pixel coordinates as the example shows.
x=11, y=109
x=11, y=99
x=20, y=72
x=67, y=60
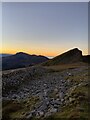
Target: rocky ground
x=41, y=93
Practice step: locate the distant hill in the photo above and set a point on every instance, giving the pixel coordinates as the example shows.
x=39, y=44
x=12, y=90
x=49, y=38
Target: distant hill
x=71, y=56
x=20, y=60
x=5, y=55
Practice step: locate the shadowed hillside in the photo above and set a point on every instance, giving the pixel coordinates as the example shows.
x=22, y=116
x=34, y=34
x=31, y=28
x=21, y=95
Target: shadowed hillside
x=20, y=60
x=71, y=56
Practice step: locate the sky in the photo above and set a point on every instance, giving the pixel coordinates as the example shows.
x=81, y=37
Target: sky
x=44, y=28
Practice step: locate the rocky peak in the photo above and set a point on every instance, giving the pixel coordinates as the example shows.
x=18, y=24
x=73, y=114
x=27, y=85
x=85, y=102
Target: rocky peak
x=71, y=56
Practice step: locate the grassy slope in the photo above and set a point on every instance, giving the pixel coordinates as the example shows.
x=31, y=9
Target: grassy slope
x=78, y=107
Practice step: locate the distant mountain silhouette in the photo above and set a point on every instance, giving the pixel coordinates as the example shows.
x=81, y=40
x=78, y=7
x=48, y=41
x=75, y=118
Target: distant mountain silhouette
x=20, y=60
x=71, y=56
x=5, y=55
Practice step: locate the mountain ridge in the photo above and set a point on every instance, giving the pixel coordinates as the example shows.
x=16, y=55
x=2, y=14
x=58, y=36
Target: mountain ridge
x=70, y=56
x=20, y=60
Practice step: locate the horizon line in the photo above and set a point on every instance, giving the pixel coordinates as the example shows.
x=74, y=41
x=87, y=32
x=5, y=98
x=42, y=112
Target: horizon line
x=40, y=54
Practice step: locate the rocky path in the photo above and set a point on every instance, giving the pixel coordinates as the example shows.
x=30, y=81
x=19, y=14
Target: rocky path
x=48, y=87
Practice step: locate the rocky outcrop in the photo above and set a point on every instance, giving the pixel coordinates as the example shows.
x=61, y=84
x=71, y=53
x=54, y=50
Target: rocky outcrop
x=71, y=56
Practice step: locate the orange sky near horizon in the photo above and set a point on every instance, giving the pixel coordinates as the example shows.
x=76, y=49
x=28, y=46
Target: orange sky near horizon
x=40, y=51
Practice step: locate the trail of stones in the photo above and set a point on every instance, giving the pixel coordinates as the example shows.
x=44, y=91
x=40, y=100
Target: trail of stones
x=49, y=87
